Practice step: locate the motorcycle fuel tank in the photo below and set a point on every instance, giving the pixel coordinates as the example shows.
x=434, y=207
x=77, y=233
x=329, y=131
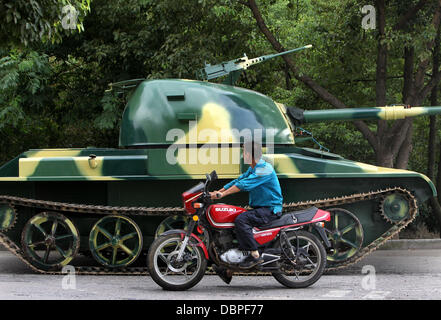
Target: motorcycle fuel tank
x=223, y=215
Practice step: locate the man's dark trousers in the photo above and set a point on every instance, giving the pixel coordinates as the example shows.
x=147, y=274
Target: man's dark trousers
x=245, y=222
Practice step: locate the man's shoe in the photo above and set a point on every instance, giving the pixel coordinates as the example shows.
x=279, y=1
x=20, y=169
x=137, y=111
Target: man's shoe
x=222, y=273
x=250, y=262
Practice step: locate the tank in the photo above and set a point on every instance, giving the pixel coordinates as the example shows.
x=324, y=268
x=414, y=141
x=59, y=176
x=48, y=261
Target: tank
x=99, y=209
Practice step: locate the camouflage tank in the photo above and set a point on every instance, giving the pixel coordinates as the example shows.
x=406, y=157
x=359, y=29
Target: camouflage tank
x=57, y=205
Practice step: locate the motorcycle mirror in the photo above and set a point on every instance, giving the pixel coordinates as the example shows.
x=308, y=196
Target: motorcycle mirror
x=213, y=175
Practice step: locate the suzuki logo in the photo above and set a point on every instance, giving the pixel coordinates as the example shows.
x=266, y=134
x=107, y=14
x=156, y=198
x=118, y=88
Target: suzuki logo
x=226, y=209
x=265, y=234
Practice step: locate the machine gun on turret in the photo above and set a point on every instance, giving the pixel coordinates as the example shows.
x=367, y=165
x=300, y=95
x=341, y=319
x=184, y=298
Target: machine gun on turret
x=234, y=68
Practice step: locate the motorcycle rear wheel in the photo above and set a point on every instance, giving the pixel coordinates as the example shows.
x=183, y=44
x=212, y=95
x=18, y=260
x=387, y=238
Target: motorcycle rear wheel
x=171, y=274
x=315, y=262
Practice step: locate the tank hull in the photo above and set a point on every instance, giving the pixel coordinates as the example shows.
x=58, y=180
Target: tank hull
x=303, y=175
x=293, y=189
x=111, y=203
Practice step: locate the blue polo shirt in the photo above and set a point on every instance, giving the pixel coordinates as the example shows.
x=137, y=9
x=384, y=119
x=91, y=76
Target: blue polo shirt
x=262, y=184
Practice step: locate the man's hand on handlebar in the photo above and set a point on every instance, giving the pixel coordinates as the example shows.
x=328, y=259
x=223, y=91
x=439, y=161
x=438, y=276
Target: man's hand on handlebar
x=216, y=195
x=223, y=193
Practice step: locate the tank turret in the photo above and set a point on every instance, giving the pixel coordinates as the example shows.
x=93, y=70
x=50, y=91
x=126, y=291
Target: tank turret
x=165, y=112
x=174, y=111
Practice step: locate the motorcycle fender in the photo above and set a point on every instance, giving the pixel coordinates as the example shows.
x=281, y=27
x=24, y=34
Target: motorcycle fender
x=322, y=234
x=194, y=237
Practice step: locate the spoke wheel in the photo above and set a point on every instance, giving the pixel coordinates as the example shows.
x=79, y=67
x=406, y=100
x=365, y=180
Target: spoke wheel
x=303, y=262
x=169, y=272
x=115, y=241
x=345, y=233
x=50, y=240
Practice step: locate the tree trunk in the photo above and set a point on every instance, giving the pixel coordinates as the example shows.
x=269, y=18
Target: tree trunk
x=381, y=74
x=434, y=201
x=409, y=54
x=432, y=144
x=433, y=102
x=405, y=149
x=384, y=158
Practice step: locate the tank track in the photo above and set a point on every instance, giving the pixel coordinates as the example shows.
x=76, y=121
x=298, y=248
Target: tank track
x=170, y=211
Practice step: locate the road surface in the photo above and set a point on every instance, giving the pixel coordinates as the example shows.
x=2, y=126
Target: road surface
x=385, y=274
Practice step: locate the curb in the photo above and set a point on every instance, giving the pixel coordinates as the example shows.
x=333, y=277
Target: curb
x=409, y=244
x=401, y=244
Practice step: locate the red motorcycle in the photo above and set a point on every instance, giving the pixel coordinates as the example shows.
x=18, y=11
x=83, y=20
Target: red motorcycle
x=294, y=255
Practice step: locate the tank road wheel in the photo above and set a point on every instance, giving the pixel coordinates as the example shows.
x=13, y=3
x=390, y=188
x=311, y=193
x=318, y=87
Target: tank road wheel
x=345, y=233
x=394, y=208
x=50, y=241
x=115, y=241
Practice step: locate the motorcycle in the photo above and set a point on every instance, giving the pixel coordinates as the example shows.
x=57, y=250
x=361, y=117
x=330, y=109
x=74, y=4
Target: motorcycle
x=292, y=253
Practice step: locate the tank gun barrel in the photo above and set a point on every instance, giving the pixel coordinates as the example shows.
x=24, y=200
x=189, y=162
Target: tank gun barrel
x=299, y=116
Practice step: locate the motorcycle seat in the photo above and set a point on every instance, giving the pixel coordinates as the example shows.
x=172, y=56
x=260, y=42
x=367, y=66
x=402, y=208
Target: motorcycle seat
x=293, y=217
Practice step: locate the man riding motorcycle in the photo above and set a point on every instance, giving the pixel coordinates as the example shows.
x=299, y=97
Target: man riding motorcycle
x=265, y=197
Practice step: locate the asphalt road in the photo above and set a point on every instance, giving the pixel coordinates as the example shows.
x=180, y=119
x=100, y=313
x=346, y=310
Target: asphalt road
x=386, y=274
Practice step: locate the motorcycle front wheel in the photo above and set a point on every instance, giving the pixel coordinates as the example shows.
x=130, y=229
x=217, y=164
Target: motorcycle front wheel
x=167, y=271
x=304, y=266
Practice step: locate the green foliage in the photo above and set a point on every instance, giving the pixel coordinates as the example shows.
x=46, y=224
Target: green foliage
x=110, y=116
x=22, y=78
x=23, y=93
x=28, y=21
